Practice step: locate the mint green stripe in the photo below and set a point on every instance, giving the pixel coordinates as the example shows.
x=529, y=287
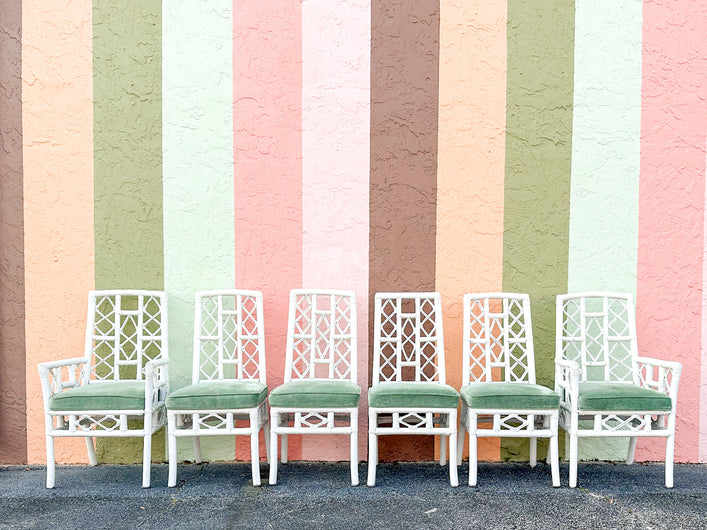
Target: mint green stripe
x=198, y=176
x=605, y=160
x=538, y=162
x=127, y=94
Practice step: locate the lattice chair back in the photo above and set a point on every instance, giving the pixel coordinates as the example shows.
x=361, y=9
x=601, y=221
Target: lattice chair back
x=321, y=336
x=598, y=331
x=124, y=332
x=408, y=338
x=498, y=338
x=229, y=336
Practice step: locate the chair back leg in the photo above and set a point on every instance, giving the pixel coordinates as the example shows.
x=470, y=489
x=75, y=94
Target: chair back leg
x=533, y=452
x=172, y=449
x=51, y=466
x=254, y=448
x=266, y=435
x=443, y=449
x=453, y=475
x=631, y=449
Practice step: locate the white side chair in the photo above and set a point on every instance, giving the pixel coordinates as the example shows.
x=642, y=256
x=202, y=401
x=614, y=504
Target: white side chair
x=228, y=376
x=498, y=379
x=409, y=394
x=600, y=377
x=320, y=394
x=122, y=376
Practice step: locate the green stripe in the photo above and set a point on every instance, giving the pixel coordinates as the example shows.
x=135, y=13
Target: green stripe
x=127, y=92
x=538, y=164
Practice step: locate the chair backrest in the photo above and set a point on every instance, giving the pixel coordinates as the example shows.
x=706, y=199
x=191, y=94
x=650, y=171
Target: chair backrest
x=125, y=329
x=321, y=335
x=598, y=331
x=408, y=342
x=498, y=338
x=229, y=339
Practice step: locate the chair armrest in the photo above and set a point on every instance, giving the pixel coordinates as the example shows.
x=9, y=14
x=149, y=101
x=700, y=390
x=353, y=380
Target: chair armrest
x=657, y=374
x=156, y=381
x=567, y=381
x=52, y=380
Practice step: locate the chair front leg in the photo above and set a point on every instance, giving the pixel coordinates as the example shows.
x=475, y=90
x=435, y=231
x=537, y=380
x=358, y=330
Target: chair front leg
x=574, y=426
x=254, y=448
x=172, y=450
x=533, y=452
x=92, y=458
x=670, y=451
x=274, y=424
x=631, y=450
x=51, y=465
x=453, y=472
x=266, y=435
x=461, y=433
x=372, y=448
x=354, y=447
x=147, y=450
x=553, y=451
x=472, y=459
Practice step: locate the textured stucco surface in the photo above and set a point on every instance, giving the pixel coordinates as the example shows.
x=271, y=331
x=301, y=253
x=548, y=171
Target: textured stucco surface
x=470, y=166
x=671, y=210
x=336, y=36
x=267, y=125
x=12, y=306
x=57, y=128
x=197, y=132
x=603, y=240
x=538, y=155
x=403, y=173
x=127, y=90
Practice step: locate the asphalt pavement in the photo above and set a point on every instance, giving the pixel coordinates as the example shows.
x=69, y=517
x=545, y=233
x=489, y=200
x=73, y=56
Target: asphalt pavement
x=319, y=495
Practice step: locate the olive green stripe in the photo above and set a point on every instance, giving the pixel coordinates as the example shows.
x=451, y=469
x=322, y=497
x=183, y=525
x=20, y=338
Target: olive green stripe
x=127, y=92
x=538, y=166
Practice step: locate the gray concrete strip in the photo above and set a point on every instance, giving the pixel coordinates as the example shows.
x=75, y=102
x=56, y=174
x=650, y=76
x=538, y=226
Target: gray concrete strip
x=318, y=495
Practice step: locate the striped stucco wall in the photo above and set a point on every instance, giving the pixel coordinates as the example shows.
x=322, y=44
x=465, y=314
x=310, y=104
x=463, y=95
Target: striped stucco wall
x=450, y=145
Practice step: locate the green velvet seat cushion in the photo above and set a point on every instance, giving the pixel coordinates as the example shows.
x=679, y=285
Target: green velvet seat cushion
x=499, y=395
x=412, y=395
x=113, y=395
x=606, y=396
x=218, y=395
x=312, y=394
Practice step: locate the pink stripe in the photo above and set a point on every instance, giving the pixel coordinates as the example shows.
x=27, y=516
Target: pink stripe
x=336, y=144
x=267, y=113
x=672, y=203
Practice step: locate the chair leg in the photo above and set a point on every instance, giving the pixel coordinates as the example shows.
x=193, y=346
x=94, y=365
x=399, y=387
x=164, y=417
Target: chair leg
x=146, y=459
x=254, y=449
x=553, y=452
x=442, y=449
x=372, y=448
x=354, y=448
x=266, y=435
x=472, y=459
x=453, y=471
x=92, y=458
x=631, y=449
x=51, y=465
x=669, y=457
x=573, y=460
x=172, y=451
x=196, y=442
x=533, y=452
x=283, y=448
x=461, y=433
x=273, y=448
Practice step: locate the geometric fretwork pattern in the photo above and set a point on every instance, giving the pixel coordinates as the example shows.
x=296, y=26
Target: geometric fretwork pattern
x=598, y=333
x=229, y=335
x=408, y=343
x=126, y=334
x=498, y=340
x=321, y=337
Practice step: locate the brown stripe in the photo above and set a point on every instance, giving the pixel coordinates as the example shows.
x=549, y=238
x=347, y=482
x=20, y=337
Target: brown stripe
x=403, y=188
x=13, y=434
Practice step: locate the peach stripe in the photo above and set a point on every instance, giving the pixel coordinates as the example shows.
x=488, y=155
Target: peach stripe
x=471, y=156
x=267, y=124
x=671, y=204
x=58, y=196
x=336, y=37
